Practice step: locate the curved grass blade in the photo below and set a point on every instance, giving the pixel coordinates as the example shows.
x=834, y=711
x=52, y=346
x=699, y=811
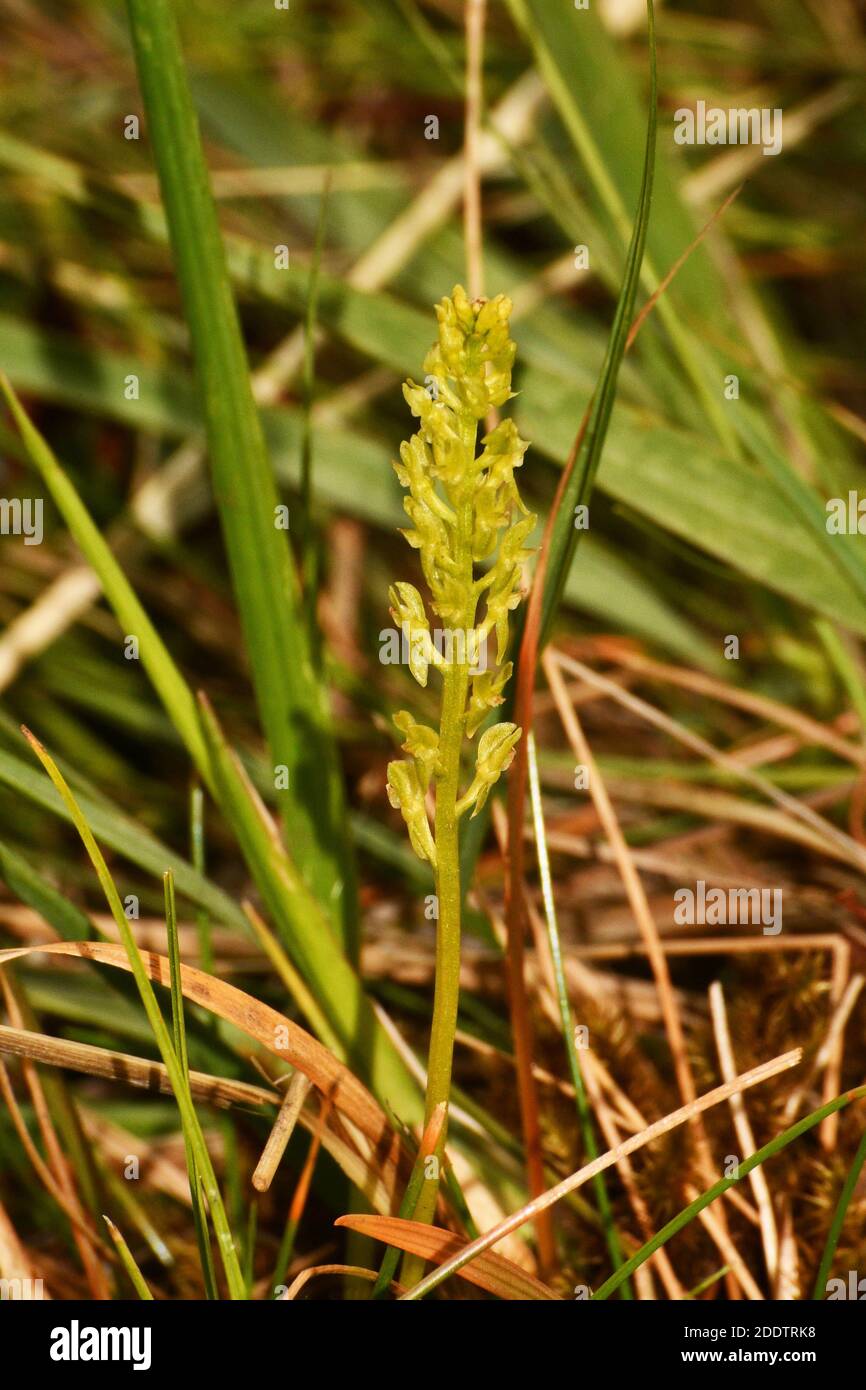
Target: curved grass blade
x=279, y=1035
x=494, y=1273
x=189, y=1119
x=754, y=1077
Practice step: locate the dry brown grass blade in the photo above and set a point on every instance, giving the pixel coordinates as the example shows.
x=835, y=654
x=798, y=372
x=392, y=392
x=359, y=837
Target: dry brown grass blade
x=527, y=667
x=40, y=1167
x=810, y=731
x=639, y=904
x=493, y=1273
x=296, y=1093
x=276, y=1033
x=851, y=851
x=828, y=1048
x=317, y=1271
x=377, y=1185
x=788, y=1284
x=743, y=1128
x=122, y=1066
x=677, y=267
x=57, y=1162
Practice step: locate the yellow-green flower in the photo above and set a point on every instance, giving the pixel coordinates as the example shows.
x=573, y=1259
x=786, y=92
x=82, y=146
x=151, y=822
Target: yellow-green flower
x=465, y=509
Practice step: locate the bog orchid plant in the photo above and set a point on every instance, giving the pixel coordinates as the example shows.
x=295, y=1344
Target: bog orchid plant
x=469, y=526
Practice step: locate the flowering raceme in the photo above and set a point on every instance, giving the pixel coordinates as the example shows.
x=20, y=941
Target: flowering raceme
x=465, y=510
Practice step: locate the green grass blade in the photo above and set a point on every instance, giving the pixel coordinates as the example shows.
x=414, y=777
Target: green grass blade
x=564, y=535
x=197, y=854
x=846, y=668
x=845, y=551
x=122, y=835
x=310, y=559
x=189, y=1118
x=690, y=488
x=707, y=1283
x=838, y=1221
x=119, y=1189
x=566, y=46
x=139, y=1283
x=694, y=1209
x=364, y=1043
x=199, y=1215
x=296, y=911
x=177, y=1021
x=292, y=706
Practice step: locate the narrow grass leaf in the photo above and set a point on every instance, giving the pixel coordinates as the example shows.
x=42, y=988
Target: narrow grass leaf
x=189, y=1118
x=199, y=1214
x=301, y=918
x=291, y=704
x=139, y=1283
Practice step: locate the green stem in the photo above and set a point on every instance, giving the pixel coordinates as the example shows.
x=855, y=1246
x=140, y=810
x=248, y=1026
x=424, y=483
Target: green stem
x=448, y=890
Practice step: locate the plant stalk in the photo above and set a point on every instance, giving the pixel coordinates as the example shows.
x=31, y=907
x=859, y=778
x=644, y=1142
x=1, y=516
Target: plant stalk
x=447, y=837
